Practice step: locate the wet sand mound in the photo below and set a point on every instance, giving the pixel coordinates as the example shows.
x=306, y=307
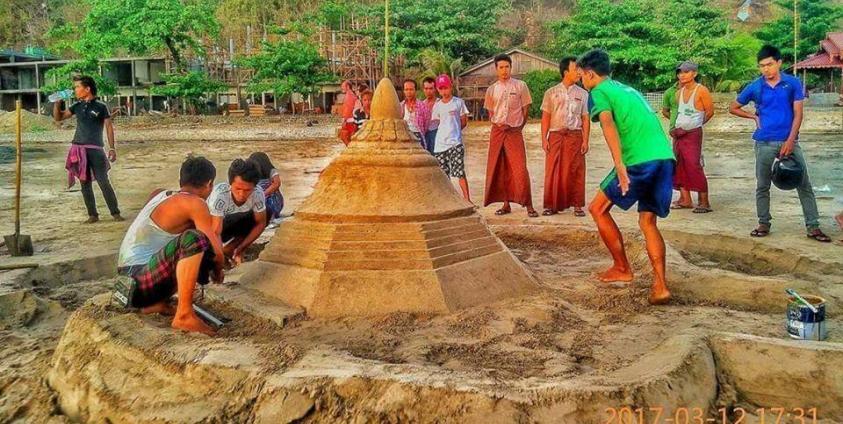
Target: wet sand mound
x=563, y=356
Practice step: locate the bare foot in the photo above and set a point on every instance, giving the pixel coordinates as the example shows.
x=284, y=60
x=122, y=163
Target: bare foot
x=613, y=275
x=162, y=308
x=191, y=322
x=659, y=297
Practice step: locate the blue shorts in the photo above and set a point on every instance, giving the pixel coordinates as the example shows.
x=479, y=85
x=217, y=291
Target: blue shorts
x=650, y=184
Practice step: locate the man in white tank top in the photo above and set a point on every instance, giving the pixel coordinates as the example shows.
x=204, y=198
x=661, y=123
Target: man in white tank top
x=695, y=108
x=172, y=245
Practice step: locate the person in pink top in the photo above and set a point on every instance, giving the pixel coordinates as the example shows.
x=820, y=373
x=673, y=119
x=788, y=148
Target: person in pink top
x=348, y=127
x=415, y=112
x=507, y=178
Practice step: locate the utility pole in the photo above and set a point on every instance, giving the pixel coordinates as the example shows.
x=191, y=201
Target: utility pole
x=386, y=40
x=796, y=23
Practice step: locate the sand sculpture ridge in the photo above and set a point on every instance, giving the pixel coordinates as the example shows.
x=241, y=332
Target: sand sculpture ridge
x=385, y=231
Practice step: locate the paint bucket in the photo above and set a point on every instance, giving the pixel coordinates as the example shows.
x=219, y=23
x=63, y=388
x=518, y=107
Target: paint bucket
x=804, y=324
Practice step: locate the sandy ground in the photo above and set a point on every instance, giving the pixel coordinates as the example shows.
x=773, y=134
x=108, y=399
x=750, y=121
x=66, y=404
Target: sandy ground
x=582, y=329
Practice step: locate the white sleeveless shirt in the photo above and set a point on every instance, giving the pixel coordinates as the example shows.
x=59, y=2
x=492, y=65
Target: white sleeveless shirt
x=689, y=117
x=144, y=238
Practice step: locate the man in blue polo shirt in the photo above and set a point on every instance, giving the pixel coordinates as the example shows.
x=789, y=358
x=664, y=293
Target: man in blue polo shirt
x=778, y=116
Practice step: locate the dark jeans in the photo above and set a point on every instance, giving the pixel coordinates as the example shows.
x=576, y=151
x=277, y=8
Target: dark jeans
x=430, y=140
x=237, y=225
x=98, y=169
x=765, y=154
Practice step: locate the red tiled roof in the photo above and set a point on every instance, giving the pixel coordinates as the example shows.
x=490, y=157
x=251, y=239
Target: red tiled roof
x=820, y=61
x=828, y=46
x=837, y=39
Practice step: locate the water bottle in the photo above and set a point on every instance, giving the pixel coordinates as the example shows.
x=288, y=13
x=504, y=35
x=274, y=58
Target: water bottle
x=61, y=95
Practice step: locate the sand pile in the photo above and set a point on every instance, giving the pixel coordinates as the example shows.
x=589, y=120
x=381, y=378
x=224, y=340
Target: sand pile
x=29, y=122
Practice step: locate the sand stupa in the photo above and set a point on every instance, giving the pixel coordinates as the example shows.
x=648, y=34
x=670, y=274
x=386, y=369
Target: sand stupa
x=385, y=231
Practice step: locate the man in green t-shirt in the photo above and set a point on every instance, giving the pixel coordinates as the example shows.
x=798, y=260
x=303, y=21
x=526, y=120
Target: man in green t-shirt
x=643, y=170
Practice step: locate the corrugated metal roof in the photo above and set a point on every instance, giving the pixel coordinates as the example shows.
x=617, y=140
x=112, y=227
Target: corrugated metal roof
x=509, y=52
x=820, y=61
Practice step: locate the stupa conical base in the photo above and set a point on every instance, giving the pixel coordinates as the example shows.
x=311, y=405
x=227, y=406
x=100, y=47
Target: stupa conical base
x=385, y=231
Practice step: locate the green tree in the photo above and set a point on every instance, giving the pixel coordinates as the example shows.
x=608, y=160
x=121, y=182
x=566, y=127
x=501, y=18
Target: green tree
x=436, y=62
x=818, y=17
x=292, y=64
x=539, y=82
x=466, y=29
x=648, y=38
x=191, y=86
x=61, y=78
x=142, y=27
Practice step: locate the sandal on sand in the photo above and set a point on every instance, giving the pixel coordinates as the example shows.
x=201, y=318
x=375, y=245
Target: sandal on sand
x=701, y=209
x=677, y=205
x=818, y=235
x=533, y=214
x=761, y=231
x=503, y=211
x=579, y=213
x=548, y=212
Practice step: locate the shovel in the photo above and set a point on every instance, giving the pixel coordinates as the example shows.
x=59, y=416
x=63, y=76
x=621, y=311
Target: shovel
x=17, y=243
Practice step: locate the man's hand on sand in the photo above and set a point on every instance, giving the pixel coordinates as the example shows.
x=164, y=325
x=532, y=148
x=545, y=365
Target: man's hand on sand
x=112, y=155
x=584, y=148
x=237, y=257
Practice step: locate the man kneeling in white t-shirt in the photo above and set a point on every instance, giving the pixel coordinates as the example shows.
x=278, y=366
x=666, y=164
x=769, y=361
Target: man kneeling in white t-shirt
x=238, y=209
x=452, y=115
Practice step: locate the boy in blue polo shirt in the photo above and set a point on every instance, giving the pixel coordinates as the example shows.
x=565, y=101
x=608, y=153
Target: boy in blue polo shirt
x=778, y=103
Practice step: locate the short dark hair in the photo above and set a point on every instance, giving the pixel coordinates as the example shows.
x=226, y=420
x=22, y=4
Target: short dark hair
x=564, y=63
x=596, y=60
x=87, y=81
x=429, y=80
x=196, y=171
x=769, y=51
x=503, y=57
x=415, y=84
x=247, y=170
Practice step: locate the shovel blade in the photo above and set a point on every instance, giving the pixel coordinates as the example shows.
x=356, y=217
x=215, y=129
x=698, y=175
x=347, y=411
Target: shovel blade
x=19, y=244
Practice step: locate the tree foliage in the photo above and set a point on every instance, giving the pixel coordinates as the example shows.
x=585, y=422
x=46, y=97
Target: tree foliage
x=142, y=27
x=191, y=86
x=292, y=64
x=540, y=81
x=818, y=17
x=61, y=78
x=466, y=29
x=648, y=38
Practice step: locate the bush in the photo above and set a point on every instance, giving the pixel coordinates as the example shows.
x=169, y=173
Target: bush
x=539, y=82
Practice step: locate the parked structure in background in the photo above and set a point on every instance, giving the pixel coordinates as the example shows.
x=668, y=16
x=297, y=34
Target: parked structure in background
x=22, y=76
x=474, y=81
x=826, y=61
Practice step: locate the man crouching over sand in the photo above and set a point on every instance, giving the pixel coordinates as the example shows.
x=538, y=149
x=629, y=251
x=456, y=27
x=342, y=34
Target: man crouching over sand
x=172, y=245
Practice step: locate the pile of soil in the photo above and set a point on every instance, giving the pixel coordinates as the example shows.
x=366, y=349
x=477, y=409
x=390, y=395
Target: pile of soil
x=29, y=122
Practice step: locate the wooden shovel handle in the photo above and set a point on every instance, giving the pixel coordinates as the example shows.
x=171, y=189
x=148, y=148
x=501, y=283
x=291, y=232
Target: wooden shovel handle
x=18, y=165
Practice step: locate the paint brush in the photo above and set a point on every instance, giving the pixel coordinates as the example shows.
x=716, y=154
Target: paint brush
x=799, y=298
